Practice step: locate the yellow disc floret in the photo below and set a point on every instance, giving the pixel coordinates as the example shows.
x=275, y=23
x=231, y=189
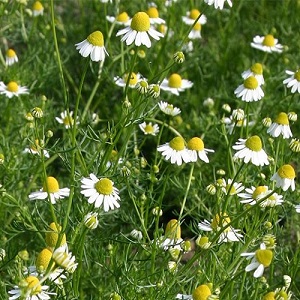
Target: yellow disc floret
x=177, y=143
x=10, y=53
x=175, y=81
x=264, y=256
x=132, y=80
x=51, y=185
x=96, y=38
x=286, y=171
x=197, y=27
x=254, y=143
x=269, y=40
x=153, y=12
x=257, y=69
x=43, y=259
x=37, y=5
x=202, y=292
x=258, y=191
x=297, y=75
x=195, y=143
x=140, y=22
x=33, y=285
x=269, y=296
x=173, y=229
x=122, y=17
x=220, y=220
x=251, y=83
x=104, y=186
x=194, y=14
x=282, y=119
x=52, y=236
x=12, y=86
x=149, y=128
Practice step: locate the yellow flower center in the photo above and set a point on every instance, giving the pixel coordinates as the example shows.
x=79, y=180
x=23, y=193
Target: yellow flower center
x=282, y=119
x=286, y=171
x=152, y=12
x=197, y=27
x=173, y=229
x=230, y=189
x=149, y=128
x=51, y=236
x=43, y=259
x=254, y=143
x=264, y=256
x=68, y=120
x=12, y=86
x=257, y=69
x=162, y=28
x=202, y=292
x=133, y=78
x=258, y=191
x=269, y=296
x=220, y=220
x=175, y=81
x=251, y=83
x=33, y=284
x=10, y=53
x=203, y=241
x=51, y=185
x=297, y=75
x=104, y=186
x=122, y=17
x=177, y=143
x=269, y=40
x=282, y=295
x=195, y=143
x=140, y=22
x=194, y=14
x=96, y=38
x=37, y=5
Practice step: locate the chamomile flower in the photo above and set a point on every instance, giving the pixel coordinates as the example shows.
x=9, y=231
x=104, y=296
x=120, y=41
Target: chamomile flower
x=218, y=3
x=35, y=149
x=191, y=17
x=142, y=86
x=11, y=57
x=63, y=258
x=100, y=192
x=66, y=118
x=254, y=195
x=295, y=145
x=30, y=289
x=132, y=82
x=195, y=33
x=169, y=109
x=53, y=235
x=93, y=45
x=250, y=150
x=267, y=44
x=139, y=31
x=217, y=224
x=175, y=151
x=154, y=90
x=175, y=84
x=202, y=292
x=149, y=129
x=280, y=126
x=12, y=89
x=37, y=9
x=51, y=189
x=91, y=220
x=285, y=177
x=250, y=90
x=196, y=149
x=230, y=187
x=260, y=259
x=293, y=82
x=256, y=70
x=172, y=238
x=120, y=19
x=153, y=14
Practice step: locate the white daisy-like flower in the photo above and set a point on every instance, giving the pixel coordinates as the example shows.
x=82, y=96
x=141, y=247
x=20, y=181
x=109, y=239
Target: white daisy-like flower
x=132, y=81
x=175, y=84
x=149, y=129
x=266, y=43
x=195, y=33
x=254, y=195
x=11, y=57
x=230, y=187
x=260, y=259
x=142, y=86
x=37, y=9
x=91, y=220
x=250, y=90
x=169, y=109
x=196, y=149
x=191, y=17
x=293, y=82
x=217, y=224
x=51, y=189
x=285, y=177
x=154, y=90
x=172, y=238
x=202, y=292
x=63, y=258
x=66, y=119
x=139, y=31
x=12, y=89
x=153, y=14
x=30, y=289
x=175, y=151
x=120, y=19
x=281, y=125
x=218, y=4
x=256, y=70
x=35, y=149
x=100, y=192
x=250, y=150
x=93, y=45
x=136, y=234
